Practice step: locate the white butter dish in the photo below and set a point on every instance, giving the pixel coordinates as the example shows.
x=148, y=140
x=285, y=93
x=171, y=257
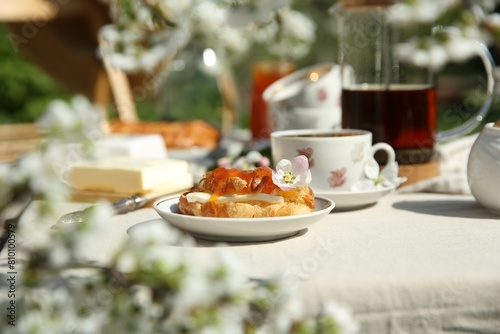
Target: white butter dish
x=132, y=145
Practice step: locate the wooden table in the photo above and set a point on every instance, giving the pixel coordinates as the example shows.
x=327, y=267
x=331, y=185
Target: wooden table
x=17, y=139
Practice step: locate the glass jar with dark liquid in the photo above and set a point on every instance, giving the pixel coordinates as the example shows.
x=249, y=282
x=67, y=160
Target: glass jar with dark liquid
x=385, y=94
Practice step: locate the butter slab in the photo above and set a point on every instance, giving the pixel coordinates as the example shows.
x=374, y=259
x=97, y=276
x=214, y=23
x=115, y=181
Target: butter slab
x=125, y=174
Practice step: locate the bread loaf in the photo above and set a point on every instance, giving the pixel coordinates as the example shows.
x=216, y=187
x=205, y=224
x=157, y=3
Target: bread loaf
x=180, y=134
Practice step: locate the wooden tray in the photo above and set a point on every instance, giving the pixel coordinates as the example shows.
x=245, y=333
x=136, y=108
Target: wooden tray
x=418, y=172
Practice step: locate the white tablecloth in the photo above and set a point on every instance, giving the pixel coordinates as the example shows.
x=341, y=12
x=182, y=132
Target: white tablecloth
x=412, y=263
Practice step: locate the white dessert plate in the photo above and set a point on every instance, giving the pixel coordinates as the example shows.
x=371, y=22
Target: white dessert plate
x=241, y=229
x=351, y=200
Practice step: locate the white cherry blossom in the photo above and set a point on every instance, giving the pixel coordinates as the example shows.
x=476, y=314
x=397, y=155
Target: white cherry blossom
x=292, y=174
x=342, y=316
x=373, y=178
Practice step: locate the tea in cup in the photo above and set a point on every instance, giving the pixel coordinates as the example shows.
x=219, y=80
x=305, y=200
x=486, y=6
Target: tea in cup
x=337, y=158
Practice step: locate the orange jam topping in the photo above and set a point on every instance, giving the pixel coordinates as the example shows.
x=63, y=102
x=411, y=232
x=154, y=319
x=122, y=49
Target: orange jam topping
x=259, y=180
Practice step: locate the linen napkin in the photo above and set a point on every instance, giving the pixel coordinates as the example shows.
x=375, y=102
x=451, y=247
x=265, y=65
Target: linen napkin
x=452, y=158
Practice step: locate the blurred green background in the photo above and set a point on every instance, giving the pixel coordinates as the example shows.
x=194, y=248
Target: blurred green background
x=25, y=90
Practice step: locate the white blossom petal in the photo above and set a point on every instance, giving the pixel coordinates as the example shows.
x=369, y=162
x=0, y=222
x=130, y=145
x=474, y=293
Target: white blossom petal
x=371, y=168
x=342, y=316
x=291, y=174
x=390, y=175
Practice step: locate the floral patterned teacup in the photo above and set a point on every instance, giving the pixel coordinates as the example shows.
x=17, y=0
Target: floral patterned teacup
x=338, y=159
x=305, y=118
x=315, y=86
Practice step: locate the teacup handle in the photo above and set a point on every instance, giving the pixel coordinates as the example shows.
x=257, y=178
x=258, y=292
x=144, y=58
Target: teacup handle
x=391, y=155
x=473, y=122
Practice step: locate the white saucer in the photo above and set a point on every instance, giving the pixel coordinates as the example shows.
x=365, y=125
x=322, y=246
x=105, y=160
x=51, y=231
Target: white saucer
x=241, y=229
x=350, y=200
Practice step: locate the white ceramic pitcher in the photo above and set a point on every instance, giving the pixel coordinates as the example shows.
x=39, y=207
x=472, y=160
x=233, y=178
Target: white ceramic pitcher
x=483, y=168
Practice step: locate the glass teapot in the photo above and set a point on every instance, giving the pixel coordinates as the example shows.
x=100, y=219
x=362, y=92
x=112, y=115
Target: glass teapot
x=383, y=93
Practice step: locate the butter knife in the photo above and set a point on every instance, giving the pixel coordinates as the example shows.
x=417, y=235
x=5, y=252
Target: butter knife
x=121, y=206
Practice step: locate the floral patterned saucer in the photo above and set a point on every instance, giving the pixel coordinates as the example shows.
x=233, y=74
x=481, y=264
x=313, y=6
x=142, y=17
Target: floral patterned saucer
x=352, y=200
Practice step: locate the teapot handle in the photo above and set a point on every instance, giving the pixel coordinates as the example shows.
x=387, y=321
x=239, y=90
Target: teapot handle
x=473, y=122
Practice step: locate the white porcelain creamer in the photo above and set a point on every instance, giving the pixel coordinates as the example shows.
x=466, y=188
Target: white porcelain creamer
x=483, y=168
